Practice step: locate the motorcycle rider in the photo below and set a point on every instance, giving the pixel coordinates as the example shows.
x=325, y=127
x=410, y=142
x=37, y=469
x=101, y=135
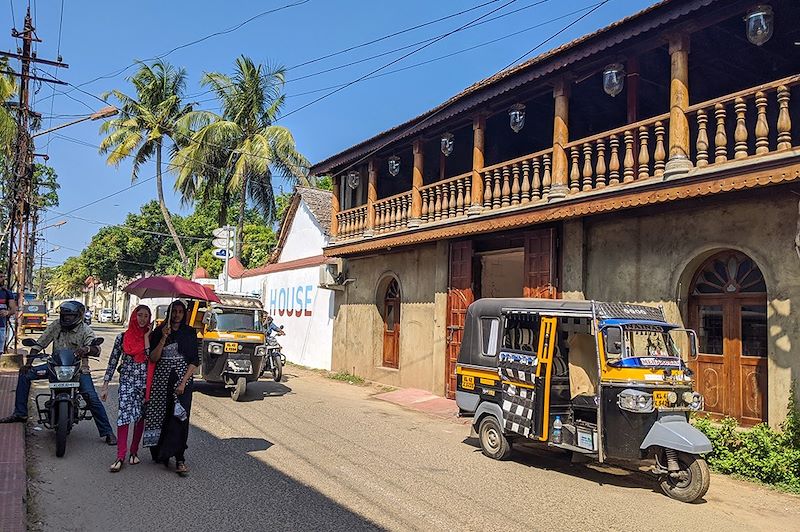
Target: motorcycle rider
x=270, y=327
x=69, y=332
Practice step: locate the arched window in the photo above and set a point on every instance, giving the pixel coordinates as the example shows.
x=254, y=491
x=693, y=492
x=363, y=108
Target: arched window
x=728, y=309
x=391, y=324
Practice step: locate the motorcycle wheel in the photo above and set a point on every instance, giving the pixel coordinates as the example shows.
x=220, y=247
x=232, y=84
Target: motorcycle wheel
x=62, y=427
x=238, y=391
x=277, y=369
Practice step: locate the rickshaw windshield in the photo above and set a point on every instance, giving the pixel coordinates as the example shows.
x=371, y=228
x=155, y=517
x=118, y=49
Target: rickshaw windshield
x=230, y=319
x=647, y=341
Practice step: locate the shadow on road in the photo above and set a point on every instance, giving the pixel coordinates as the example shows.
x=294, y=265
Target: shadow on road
x=256, y=391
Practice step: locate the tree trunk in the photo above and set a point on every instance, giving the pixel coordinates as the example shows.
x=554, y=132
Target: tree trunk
x=240, y=222
x=222, y=217
x=164, y=211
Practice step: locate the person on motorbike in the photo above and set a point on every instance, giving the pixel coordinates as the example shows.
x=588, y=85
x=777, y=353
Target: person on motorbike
x=69, y=332
x=270, y=327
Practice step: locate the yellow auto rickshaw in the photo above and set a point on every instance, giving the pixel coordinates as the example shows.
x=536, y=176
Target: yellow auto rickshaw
x=34, y=316
x=607, y=381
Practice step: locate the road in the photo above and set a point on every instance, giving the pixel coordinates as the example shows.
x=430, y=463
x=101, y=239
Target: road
x=315, y=454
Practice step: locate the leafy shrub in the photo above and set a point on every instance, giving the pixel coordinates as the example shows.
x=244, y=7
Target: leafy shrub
x=760, y=453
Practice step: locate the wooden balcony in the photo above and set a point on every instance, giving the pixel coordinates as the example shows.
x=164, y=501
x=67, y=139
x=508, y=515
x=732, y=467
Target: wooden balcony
x=742, y=126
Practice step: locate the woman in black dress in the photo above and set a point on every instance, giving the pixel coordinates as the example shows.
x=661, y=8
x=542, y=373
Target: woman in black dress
x=173, y=352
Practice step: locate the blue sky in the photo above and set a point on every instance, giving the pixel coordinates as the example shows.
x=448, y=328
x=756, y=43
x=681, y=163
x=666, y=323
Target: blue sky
x=101, y=38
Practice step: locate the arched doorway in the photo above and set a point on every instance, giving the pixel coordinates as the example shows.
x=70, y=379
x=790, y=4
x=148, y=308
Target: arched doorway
x=728, y=309
x=391, y=325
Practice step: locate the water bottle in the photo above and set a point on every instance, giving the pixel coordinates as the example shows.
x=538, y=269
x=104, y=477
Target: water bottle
x=557, y=430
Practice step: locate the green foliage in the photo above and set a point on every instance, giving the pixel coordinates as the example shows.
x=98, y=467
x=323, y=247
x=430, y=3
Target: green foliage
x=760, y=453
x=257, y=244
x=324, y=182
x=46, y=181
x=347, y=377
x=68, y=279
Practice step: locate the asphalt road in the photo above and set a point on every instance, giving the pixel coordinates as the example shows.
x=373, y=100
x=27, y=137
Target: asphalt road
x=316, y=454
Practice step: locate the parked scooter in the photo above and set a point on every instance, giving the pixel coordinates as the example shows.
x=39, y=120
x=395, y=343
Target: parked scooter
x=64, y=406
x=275, y=359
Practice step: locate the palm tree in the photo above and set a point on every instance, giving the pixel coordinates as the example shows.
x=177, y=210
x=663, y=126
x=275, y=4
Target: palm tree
x=8, y=128
x=237, y=152
x=145, y=122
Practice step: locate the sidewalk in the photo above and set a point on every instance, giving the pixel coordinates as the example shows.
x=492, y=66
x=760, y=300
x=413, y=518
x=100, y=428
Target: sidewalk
x=12, y=461
x=423, y=401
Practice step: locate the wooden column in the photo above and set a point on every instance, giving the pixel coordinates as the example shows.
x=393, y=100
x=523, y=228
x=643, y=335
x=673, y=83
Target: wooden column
x=416, y=184
x=679, y=162
x=478, y=143
x=335, y=207
x=560, y=138
x=372, y=197
x=632, y=86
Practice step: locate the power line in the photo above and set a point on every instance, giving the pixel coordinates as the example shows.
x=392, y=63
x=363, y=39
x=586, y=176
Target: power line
x=13, y=15
x=52, y=96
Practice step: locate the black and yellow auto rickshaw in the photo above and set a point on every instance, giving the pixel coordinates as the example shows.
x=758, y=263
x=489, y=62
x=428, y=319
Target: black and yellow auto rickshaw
x=34, y=316
x=231, y=339
x=603, y=380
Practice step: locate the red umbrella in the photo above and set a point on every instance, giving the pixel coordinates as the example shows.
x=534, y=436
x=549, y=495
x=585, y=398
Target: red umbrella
x=170, y=286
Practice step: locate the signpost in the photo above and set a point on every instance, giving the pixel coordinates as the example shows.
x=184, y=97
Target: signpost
x=224, y=237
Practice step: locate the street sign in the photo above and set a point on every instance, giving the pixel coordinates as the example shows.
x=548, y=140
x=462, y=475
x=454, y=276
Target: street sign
x=222, y=243
x=223, y=232
x=220, y=253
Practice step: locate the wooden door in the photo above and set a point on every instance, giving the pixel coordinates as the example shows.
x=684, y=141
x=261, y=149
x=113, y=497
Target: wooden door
x=728, y=309
x=459, y=297
x=540, y=264
x=391, y=325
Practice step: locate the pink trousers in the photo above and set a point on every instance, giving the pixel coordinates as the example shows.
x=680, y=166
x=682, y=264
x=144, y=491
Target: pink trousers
x=122, y=439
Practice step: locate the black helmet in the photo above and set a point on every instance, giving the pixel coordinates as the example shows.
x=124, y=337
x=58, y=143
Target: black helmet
x=70, y=314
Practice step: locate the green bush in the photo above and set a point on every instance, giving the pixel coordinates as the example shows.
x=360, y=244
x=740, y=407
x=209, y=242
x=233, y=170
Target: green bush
x=760, y=453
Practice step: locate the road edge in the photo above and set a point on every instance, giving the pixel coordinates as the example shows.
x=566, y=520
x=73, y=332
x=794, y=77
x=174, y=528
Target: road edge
x=13, y=479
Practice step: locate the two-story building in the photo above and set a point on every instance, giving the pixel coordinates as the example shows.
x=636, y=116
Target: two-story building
x=654, y=161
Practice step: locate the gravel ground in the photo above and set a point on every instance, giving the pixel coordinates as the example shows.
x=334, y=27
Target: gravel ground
x=314, y=454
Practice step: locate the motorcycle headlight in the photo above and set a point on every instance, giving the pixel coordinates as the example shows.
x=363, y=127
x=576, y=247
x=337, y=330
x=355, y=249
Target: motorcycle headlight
x=261, y=350
x=635, y=401
x=64, y=373
x=215, y=349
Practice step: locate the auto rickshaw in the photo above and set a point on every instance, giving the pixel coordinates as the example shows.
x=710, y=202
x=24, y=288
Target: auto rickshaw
x=232, y=341
x=607, y=381
x=34, y=316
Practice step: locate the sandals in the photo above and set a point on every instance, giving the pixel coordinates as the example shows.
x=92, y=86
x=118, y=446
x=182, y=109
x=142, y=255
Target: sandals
x=133, y=460
x=181, y=469
x=116, y=466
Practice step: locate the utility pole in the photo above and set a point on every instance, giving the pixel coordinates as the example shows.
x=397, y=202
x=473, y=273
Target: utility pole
x=22, y=186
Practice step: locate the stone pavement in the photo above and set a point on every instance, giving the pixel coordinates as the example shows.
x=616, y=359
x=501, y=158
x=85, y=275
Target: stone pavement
x=12, y=461
x=424, y=401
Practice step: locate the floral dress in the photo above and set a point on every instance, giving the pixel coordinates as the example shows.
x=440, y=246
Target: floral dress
x=132, y=380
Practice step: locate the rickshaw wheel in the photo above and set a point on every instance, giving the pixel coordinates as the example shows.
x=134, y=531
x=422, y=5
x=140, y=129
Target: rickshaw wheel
x=494, y=443
x=238, y=391
x=693, y=485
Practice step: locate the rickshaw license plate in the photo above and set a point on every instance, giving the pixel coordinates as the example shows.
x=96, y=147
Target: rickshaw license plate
x=660, y=399
x=231, y=347
x=468, y=382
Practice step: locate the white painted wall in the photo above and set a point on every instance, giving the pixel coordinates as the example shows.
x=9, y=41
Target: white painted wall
x=305, y=239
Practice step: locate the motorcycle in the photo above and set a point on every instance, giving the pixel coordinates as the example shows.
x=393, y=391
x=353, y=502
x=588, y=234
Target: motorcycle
x=275, y=359
x=64, y=406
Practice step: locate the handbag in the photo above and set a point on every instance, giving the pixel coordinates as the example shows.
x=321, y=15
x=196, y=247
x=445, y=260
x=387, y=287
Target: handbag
x=122, y=357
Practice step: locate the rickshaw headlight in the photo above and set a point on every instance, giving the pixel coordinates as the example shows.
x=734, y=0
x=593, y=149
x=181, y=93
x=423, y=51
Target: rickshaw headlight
x=261, y=350
x=215, y=349
x=672, y=397
x=635, y=401
x=697, y=401
x=688, y=397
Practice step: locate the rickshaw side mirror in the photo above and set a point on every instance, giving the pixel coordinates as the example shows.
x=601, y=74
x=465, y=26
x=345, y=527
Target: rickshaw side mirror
x=207, y=318
x=613, y=340
x=693, y=344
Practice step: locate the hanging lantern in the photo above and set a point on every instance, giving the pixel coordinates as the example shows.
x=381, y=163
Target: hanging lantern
x=394, y=165
x=352, y=179
x=447, y=144
x=613, y=79
x=760, y=23
x=516, y=117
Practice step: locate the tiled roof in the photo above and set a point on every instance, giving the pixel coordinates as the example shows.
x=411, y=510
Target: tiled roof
x=319, y=202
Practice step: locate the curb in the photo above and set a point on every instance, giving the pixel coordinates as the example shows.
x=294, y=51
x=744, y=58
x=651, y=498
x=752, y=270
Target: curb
x=13, y=480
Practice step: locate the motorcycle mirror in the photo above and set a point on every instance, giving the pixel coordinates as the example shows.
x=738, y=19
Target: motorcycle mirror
x=29, y=342
x=98, y=341
x=281, y=327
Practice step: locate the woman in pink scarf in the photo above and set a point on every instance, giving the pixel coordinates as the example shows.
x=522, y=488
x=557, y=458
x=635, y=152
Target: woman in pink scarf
x=132, y=346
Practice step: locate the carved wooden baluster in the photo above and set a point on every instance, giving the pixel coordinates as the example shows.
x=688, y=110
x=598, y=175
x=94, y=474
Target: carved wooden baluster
x=505, y=193
x=515, y=185
x=644, y=153
x=406, y=209
x=721, y=136
x=613, y=162
x=453, y=200
x=467, y=192
x=399, y=213
x=487, y=190
x=460, y=197
x=387, y=216
x=740, y=133
x=357, y=223
x=423, y=213
x=627, y=163
x=431, y=204
x=437, y=207
x=574, y=171
x=587, y=167
x=702, y=139
x=600, y=168
x=536, y=180
x=497, y=193
x=342, y=225
x=784, y=119
x=547, y=178
x=660, y=153
x=443, y=204
x=525, y=186
x=349, y=223
x=762, y=127
x=447, y=200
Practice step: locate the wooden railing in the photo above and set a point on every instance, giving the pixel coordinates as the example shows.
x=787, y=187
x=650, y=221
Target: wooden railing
x=446, y=199
x=739, y=125
x=352, y=222
x=393, y=212
x=518, y=181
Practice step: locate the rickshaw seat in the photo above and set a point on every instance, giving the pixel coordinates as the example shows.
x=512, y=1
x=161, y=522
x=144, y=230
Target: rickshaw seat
x=584, y=401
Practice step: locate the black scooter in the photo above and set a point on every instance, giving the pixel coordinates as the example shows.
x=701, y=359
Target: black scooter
x=63, y=406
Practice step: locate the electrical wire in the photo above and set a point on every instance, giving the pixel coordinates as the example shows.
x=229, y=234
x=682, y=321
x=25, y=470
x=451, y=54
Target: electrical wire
x=52, y=96
x=13, y=14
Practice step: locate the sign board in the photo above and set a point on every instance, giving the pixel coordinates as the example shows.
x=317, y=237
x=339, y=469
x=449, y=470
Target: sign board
x=220, y=253
x=222, y=243
x=223, y=232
